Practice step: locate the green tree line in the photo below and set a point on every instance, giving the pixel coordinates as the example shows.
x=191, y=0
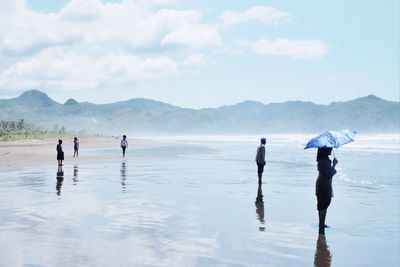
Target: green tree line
x=12, y=130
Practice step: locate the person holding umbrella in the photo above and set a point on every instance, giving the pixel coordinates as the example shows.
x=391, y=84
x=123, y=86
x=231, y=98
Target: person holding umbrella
x=323, y=185
x=326, y=168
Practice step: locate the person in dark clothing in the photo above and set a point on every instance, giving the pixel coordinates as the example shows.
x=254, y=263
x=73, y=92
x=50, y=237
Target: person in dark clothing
x=76, y=146
x=124, y=145
x=323, y=185
x=60, y=152
x=260, y=159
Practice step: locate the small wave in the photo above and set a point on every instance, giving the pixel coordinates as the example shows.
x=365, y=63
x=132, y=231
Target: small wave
x=361, y=183
x=378, y=143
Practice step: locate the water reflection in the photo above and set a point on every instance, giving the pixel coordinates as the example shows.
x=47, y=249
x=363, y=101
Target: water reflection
x=123, y=176
x=75, y=178
x=323, y=257
x=60, y=179
x=260, y=207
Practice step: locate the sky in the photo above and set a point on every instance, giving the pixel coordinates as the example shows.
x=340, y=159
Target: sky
x=200, y=54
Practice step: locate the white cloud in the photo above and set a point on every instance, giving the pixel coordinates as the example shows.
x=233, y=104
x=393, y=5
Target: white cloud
x=172, y=18
x=125, y=25
x=297, y=49
x=81, y=10
x=64, y=69
x=153, y=3
x=89, y=43
x=264, y=14
x=14, y=6
x=193, y=36
x=25, y=31
x=195, y=59
x=185, y=28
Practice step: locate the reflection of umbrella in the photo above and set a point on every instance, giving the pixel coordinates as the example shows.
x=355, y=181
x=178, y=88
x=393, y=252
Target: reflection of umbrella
x=333, y=139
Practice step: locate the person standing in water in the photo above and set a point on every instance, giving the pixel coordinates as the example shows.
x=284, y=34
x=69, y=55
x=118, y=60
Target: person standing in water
x=60, y=152
x=260, y=159
x=124, y=145
x=76, y=146
x=323, y=185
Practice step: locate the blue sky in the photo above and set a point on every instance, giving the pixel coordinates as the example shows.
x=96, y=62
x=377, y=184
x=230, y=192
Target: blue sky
x=200, y=53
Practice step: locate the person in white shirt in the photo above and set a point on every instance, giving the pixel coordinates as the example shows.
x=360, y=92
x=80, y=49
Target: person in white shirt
x=124, y=145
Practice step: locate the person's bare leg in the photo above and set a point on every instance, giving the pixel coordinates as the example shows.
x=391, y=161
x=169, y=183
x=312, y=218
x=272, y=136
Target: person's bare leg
x=322, y=217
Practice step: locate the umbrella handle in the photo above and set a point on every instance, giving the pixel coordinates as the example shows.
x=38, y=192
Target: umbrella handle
x=333, y=151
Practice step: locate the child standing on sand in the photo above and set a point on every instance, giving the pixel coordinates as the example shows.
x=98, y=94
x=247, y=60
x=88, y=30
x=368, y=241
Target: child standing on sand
x=124, y=145
x=76, y=146
x=60, y=152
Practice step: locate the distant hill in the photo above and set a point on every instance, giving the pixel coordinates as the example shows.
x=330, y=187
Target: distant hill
x=365, y=114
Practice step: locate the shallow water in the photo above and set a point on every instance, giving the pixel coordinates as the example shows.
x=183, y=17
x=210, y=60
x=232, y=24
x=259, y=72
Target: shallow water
x=195, y=202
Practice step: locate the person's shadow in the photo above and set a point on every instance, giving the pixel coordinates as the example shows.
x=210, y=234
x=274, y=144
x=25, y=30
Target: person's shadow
x=323, y=256
x=260, y=207
x=123, y=176
x=60, y=179
x=76, y=171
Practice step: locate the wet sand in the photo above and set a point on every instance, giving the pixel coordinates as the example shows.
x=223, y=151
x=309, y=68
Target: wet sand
x=196, y=202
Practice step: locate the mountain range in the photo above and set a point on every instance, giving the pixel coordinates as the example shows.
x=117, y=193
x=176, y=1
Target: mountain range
x=141, y=116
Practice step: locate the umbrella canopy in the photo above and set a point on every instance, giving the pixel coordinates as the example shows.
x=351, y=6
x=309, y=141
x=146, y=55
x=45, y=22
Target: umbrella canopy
x=333, y=139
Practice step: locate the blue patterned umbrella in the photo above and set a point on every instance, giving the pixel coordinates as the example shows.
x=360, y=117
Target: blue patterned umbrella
x=333, y=139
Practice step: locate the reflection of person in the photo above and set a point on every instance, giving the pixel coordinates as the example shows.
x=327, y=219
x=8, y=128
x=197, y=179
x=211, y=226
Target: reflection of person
x=260, y=159
x=124, y=145
x=60, y=152
x=123, y=176
x=60, y=179
x=323, y=185
x=75, y=179
x=322, y=257
x=260, y=207
x=76, y=146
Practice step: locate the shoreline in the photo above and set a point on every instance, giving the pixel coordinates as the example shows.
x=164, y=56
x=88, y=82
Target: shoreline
x=30, y=152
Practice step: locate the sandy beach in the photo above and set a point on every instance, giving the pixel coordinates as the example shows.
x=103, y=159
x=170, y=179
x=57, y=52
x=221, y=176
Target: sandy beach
x=31, y=152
